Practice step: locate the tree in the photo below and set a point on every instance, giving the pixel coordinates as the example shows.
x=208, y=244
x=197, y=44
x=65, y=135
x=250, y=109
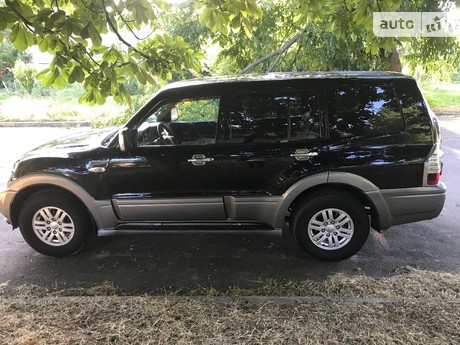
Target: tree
x=25, y=74
x=104, y=43
x=299, y=44
x=8, y=56
x=438, y=56
x=76, y=33
x=305, y=35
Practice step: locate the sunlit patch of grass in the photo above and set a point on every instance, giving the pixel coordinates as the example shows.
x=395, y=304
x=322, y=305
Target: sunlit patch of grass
x=442, y=97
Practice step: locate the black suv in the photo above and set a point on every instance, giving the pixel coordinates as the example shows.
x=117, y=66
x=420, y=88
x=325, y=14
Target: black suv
x=325, y=155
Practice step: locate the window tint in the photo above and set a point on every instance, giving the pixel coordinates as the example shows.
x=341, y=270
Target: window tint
x=305, y=117
x=265, y=117
x=366, y=110
x=187, y=122
x=415, y=117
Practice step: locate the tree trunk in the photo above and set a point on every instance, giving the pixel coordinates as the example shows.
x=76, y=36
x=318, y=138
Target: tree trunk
x=392, y=60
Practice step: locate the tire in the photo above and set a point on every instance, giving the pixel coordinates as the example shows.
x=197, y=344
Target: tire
x=55, y=223
x=332, y=225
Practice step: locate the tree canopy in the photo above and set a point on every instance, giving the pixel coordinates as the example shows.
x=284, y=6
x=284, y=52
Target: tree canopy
x=77, y=34
x=103, y=43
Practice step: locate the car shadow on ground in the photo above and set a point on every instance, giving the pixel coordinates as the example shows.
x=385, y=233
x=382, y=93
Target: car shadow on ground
x=181, y=262
x=158, y=263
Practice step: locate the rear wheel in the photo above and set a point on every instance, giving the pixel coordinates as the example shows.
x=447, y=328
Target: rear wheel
x=331, y=225
x=54, y=223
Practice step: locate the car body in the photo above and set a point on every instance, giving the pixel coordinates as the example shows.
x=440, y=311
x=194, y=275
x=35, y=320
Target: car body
x=328, y=153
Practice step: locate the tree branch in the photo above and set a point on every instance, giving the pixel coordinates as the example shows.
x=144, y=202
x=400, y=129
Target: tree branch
x=272, y=67
x=123, y=19
x=115, y=31
x=26, y=22
x=295, y=58
x=277, y=53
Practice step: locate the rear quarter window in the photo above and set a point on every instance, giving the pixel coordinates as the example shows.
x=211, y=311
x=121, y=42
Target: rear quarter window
x=364, y=111
x=417, y=120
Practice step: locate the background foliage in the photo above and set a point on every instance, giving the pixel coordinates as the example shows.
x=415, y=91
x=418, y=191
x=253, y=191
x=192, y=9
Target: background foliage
x=118, y=47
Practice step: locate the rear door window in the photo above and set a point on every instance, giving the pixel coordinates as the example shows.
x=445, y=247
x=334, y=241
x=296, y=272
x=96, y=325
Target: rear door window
x=275, y=117
x=366, y=111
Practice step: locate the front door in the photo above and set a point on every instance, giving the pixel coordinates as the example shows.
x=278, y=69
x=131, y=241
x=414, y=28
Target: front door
x=174, y=172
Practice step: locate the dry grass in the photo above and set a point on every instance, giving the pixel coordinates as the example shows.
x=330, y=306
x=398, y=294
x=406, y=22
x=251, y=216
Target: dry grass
x=407, y=283
x=414, y=307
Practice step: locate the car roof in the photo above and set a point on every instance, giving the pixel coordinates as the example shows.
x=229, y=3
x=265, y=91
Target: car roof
x=284, y=76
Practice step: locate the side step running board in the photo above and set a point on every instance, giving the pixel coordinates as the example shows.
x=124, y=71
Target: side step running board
x=192, y=226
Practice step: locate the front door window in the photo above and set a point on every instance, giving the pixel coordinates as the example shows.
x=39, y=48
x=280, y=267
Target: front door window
x=184, y=122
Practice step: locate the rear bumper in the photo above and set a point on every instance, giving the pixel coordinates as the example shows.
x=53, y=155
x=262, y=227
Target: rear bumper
x=407, y=205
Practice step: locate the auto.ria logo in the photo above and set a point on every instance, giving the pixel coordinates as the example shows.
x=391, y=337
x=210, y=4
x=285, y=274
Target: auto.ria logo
x=416, y=24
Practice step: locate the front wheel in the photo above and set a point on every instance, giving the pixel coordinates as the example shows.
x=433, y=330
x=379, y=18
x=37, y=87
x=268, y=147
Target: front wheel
x=330, y=226
x=54, y=223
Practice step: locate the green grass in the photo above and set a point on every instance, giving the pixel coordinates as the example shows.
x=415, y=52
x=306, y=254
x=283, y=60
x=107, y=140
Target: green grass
x=58, y=106
x=442, y=97
x=3, y=94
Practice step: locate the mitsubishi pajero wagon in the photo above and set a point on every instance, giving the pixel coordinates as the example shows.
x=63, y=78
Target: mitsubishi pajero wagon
x=326, y=155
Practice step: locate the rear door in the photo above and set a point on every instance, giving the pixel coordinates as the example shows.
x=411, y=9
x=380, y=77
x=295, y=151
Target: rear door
x=275, y=138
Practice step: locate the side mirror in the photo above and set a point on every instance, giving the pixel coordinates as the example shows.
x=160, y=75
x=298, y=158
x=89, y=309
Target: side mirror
x=124, y=140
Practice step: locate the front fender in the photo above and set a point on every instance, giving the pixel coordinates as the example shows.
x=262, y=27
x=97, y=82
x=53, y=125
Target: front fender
x=100, y=210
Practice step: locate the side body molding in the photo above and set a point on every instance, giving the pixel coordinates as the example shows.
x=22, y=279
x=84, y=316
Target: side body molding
x=352, y=180
x=101, y=210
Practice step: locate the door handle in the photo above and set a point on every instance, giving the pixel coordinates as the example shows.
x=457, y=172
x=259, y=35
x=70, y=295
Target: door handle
x=200, y=160
x=303, y=154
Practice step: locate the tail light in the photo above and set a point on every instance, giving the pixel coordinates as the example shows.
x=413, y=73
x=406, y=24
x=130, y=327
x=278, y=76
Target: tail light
x=433, y=167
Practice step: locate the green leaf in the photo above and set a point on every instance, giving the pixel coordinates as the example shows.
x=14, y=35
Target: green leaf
x=60, y=81
x=46, y=77
x=87, y=97
x=247, y=28
x=140, y=77
x=99, y=99
x=52, y=43
x=254, y=10
x=3, y=19
x=44, y=14
x=43, y=44
x=204, y=16
x=77, y=75
x=162, y=4
x=94, y=35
